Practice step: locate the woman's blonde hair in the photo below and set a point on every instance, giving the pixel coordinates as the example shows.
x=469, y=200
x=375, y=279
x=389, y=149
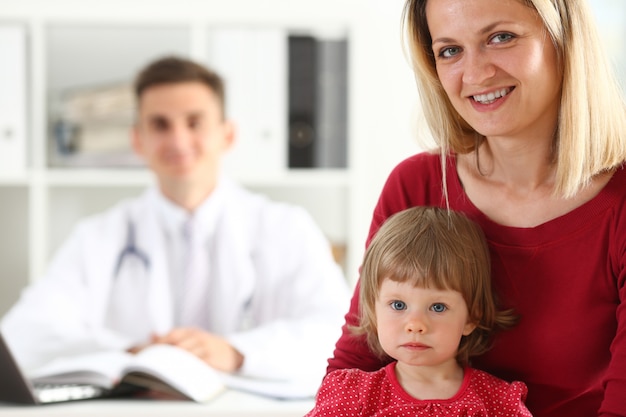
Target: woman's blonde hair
x=590, y=136
x=432, y=247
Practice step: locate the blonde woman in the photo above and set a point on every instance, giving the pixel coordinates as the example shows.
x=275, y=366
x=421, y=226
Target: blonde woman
x=532, y=140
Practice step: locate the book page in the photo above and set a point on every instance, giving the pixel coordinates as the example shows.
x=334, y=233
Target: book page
x=101, y=368
x=167, y=369
x=176, y=367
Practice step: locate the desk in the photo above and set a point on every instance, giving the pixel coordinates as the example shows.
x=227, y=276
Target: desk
x=227, y=404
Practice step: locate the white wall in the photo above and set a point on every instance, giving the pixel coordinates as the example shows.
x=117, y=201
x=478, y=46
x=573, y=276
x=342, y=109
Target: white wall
x=382, y=101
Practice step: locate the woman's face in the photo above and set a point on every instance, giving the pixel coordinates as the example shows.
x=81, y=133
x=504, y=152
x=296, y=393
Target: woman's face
x=497, y=64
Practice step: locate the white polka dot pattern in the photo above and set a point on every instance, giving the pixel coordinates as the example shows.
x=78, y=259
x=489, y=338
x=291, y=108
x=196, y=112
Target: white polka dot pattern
x=352, y=392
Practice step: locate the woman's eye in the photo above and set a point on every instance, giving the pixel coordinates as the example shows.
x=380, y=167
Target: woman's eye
x=438, y=307
x=398, y=305
x=449, y=51
x=501, y=37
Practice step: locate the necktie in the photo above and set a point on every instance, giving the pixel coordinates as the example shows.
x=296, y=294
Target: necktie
x=193, y=283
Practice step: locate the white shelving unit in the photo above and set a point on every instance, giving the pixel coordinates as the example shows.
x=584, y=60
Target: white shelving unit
x=40, y=204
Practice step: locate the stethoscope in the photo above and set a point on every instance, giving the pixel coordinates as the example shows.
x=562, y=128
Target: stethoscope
x=130, y=249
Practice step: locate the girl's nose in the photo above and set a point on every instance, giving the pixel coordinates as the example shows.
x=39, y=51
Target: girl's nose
x=416, y=324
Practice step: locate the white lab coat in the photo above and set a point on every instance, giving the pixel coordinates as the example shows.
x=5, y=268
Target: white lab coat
x=277, y=294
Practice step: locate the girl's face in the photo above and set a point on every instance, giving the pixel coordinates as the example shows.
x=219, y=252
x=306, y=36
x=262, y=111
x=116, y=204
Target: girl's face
x=497, y=64
x=421, y=326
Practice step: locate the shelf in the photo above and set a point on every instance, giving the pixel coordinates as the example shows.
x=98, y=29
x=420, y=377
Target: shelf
x=300, y=177
x=114, y=39
x=133, y=177
x=16, y=180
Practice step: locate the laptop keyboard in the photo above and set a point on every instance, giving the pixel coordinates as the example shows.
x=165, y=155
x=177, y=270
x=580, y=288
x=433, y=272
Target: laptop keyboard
x=46, y=393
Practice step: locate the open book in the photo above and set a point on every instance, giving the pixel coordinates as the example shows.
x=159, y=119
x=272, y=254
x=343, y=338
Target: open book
x=166, y=369
x=161, y=368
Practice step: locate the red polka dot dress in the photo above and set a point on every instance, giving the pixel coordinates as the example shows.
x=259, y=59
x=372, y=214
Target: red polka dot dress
x=353, y=392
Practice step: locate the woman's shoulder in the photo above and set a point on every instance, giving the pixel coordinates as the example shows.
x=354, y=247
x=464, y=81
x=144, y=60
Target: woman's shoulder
x=422, y=170
x=417, y=180
x=427, y=161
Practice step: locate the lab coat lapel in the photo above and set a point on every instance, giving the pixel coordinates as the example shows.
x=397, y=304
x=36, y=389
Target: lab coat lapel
x=150, y=237
x=232, y=269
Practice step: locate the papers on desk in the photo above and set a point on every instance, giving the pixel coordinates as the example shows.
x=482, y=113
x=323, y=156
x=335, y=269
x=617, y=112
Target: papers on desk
x=283, y=390
x=167, y=369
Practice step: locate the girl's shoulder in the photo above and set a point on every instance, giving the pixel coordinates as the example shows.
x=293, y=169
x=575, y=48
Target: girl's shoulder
x=353, y=377
x=497, y=394
x=345, y=392
x=491, y=382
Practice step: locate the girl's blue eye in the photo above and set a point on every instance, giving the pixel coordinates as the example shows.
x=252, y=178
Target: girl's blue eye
x=398, y=305
x=438, y=308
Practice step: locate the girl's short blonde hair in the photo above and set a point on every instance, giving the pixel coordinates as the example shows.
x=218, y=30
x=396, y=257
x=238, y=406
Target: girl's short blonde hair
x=433, y=248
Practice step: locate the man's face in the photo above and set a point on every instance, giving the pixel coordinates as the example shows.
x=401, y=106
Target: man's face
x=181, y=134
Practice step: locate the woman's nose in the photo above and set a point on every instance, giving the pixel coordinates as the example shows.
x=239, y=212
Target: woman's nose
x=477, y=67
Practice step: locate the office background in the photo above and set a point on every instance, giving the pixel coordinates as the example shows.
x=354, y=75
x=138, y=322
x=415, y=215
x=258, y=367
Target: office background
x=62, y=158
x=78, y=52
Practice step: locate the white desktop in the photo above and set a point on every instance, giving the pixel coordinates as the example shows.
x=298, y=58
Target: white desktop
x=228, y=404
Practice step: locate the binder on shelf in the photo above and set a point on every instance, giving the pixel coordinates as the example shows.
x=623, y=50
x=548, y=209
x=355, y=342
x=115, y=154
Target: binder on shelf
x=12, y=100
x=332, y=104
x=317, y=102
x=302, y=101
x=252, y=62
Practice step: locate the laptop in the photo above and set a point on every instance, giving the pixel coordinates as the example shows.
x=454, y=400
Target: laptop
x=16, y=388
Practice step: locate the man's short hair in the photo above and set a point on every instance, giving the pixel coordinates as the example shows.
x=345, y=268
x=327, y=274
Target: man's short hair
x=173, y=69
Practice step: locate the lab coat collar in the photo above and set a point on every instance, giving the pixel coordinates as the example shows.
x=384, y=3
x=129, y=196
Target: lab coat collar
x=174, y=217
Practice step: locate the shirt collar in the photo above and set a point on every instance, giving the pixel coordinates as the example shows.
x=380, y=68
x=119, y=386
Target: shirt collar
x=173, y=217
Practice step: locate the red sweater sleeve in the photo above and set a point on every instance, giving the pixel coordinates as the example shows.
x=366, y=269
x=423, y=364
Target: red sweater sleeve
x=352, y=351
x=614, y=403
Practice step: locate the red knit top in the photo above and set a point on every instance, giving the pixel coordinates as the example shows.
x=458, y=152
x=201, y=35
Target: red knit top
x=566, y=278
x=353, y=392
